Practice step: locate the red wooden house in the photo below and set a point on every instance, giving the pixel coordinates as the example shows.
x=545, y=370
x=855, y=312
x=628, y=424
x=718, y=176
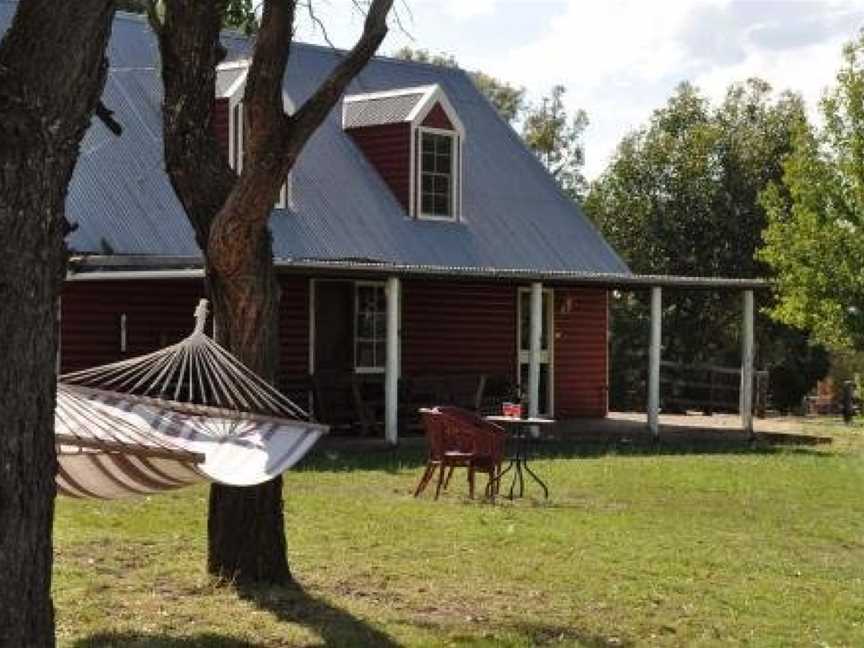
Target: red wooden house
x=416, y=237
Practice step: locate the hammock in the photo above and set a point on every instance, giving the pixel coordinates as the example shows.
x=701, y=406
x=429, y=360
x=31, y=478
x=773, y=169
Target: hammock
x=183, y=414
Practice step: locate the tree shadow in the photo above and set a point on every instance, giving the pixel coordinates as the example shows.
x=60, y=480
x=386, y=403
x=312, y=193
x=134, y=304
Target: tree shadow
x=542, y=635
x=336, y=627
x=155, y=640
x=349, y=455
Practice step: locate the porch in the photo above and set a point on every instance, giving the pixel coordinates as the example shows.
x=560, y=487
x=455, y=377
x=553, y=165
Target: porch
x=390, y=328
x=538, y=307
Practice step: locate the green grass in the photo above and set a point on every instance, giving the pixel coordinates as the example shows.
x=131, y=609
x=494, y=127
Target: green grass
x=692, y=546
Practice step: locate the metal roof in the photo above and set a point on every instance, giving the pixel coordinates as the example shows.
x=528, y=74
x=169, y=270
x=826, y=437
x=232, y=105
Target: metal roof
x=514, y=215
x=374, y=110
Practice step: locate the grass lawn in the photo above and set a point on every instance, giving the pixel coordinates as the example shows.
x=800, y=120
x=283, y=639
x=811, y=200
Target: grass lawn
x=681, y=546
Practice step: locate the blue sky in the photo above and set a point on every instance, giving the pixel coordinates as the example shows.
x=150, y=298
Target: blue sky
x=620, y=59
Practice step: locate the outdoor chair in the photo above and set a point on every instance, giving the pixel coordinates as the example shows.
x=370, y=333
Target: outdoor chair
x=459, y=439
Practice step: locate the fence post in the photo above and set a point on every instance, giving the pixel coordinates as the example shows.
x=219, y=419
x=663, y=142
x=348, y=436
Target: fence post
x=654, y=362
x=746, y=401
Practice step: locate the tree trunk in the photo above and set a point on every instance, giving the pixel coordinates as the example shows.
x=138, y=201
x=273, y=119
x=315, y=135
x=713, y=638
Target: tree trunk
x=230, y=216
x=51, y=75
x=246, y=526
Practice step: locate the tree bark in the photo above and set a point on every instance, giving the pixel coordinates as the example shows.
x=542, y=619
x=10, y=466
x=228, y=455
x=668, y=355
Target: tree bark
x=52, y=71
x=246, y=537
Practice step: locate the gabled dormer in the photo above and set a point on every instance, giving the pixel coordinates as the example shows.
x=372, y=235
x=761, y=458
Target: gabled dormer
x=415, y=139
x=228, y=121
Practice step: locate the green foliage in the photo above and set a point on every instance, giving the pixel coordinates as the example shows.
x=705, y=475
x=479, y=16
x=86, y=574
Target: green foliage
x=682, y=197
x=508, y=100
x=556, y=138
x=814, y=241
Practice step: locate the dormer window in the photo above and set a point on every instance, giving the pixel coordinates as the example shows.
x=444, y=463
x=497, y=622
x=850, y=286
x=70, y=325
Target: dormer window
x=230, y=84
x=414, y=139
x=436, y=173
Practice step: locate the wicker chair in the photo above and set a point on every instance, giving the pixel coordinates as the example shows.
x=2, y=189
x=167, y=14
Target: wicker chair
x=458, y=438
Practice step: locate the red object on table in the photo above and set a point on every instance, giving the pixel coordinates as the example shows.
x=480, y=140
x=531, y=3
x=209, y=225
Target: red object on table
x=513, y=410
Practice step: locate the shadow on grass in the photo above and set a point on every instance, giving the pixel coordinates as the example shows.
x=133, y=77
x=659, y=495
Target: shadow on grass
x=147, y=640
x=289, y=604
x=347, y=455
x=336, y=627
x=543, y=635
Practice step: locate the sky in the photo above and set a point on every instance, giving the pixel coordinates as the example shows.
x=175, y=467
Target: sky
x=620, y=59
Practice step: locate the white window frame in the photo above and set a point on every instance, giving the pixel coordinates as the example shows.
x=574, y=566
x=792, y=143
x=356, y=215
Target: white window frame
x=547, y=357
x=235, y=153
x=455, y=174
x=360, y=369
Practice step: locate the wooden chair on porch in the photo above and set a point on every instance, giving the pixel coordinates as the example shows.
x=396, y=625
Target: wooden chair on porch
x=459, y=439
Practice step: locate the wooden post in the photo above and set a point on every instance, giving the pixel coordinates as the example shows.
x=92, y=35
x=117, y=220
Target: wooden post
x=535, y=336
x=392, y=367
x=746, y=399
x=654, y=362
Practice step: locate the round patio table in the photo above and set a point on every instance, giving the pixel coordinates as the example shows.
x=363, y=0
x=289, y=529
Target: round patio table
x=520, y=432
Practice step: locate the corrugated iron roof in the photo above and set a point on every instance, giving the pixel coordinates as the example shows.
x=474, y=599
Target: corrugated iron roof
x=514, y=216
x=376, y=110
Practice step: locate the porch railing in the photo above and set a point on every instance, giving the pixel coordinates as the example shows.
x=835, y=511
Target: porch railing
x=709, y=388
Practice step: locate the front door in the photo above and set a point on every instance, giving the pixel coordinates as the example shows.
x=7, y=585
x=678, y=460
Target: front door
x=546, y=336
x=334, y=330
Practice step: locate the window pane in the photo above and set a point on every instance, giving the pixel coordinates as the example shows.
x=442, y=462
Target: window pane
x=442, y=205
x=428, y=144
x=442, y=145
x=380, y=353
x=365, y=354
x=381, y=324
x=365, y=323
x=428, y=162
x=426, y=204
x=441, y=184
x=443, y=165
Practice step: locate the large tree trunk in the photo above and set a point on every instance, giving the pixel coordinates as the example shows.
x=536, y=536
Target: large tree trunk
x=246, y=536
x=51, y=75
x=230, y=216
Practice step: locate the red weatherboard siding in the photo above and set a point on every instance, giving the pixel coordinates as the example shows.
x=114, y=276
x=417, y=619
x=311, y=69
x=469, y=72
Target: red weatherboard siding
x=581, y=352
x=446, y=326
x=294, y=328
x=388, y=148
x=158, y=313
x=220, y=123
x=459, y=327
x=437, y=118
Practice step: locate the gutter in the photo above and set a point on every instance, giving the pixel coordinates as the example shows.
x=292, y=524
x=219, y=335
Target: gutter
x=117, y=268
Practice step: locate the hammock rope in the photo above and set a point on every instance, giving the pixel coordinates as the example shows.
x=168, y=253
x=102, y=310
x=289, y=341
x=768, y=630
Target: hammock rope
x=188, y=412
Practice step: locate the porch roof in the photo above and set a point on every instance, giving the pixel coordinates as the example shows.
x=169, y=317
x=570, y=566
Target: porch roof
x=95, y=267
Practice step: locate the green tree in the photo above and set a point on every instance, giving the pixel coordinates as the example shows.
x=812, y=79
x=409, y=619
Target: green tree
x=556, y=138
x=681, y=197
x=814, y=241
x=509, y=100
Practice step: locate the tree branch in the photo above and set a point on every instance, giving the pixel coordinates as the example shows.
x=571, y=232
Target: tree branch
x=106, y=116
x=188, y=33
x=317, y=107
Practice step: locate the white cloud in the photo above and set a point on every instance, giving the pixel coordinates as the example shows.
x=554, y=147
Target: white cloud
x=621, y=59
x=463, y=9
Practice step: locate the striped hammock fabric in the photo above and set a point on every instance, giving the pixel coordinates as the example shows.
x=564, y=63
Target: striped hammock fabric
x=117, y=437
